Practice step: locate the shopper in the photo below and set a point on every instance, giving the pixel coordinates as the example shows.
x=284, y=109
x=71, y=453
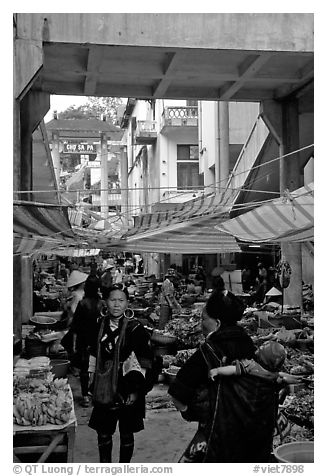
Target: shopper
x=118, y=276
x=119, y=362
x=246, y=279
x=84, y=329
x=167, y=301
x=262, y=282
x=106, y=280
x=75, y=285
x=242, y=410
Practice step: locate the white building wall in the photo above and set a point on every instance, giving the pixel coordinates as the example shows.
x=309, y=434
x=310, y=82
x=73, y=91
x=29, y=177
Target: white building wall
x=242, y=116
x=208, y=141
x=170, y=142
x=241, y=119
x=142, y=111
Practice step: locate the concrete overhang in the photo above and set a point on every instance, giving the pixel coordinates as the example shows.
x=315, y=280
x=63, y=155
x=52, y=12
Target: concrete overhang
x=209, y=56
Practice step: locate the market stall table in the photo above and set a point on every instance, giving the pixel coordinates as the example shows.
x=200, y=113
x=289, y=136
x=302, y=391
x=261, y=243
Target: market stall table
x=45, y=441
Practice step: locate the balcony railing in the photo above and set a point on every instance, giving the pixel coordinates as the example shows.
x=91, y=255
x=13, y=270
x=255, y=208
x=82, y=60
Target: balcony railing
x=146, y=132
x=186, y=116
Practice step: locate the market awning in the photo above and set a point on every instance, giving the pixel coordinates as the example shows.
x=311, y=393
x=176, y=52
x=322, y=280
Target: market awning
x=40, y=227
x=181, y=216
x=198, y=237
x=286, y=219
x=77, y=253
x=186, y=228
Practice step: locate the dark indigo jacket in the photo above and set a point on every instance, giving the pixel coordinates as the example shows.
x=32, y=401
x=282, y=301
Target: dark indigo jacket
x=243, y=409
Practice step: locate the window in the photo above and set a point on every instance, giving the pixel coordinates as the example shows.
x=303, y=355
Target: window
x=188, y=167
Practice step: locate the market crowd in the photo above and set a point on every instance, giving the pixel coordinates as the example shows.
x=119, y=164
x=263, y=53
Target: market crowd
x=228, y=385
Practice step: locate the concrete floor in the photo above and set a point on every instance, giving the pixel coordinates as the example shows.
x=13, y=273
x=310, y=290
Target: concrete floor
x=163, y=440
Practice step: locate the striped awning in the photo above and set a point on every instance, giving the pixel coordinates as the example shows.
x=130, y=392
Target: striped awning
x=181, y=216
x=77, y=253
x=40, y=227
x=187, y=228
x=286, y=219
x=198, y=237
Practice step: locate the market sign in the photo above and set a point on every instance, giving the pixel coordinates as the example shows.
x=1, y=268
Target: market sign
x=79, y=148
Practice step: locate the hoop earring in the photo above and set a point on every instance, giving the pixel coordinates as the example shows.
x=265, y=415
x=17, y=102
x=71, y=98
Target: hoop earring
x=129, y=313
x=104, y=311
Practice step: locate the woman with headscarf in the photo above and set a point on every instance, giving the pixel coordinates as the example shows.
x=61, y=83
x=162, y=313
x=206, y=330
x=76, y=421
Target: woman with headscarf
x=119, y=361
x=239, y=424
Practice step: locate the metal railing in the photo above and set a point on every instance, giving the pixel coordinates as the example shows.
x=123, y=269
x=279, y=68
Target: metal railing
x=180, y=112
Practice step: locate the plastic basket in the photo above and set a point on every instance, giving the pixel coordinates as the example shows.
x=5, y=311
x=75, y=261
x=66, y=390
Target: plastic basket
x=296, y=452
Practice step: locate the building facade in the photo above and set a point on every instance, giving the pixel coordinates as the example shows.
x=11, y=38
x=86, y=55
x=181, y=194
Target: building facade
x=174, y=155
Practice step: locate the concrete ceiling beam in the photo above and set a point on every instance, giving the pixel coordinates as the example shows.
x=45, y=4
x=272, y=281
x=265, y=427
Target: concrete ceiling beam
x=248, y=69
x=172, y=60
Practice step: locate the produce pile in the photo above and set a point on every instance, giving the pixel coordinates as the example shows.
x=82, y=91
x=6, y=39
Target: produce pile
x=299, y=344
x=182, y=356
x=300, y=407
x=299, y=362
x=38, y=397
x=187, y=332
x=41, y=401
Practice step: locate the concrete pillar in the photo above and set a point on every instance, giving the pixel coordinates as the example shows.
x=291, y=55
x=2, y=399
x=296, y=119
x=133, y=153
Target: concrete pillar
x=145, y=173
x=104, y=176
x=17, y=300
x=56, y=156
x=283, y=122
x=16, y=149
x=124, y=185
x=26, y=182
x=27, y=288
x=290, y=166
x=223, y=145
x=290, y=178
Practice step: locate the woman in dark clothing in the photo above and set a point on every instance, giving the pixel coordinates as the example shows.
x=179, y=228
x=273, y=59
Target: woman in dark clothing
x=84, y=330
x=242, y=410
x=122, y=344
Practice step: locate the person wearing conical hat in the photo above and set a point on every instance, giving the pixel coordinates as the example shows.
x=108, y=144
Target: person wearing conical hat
x=75, y=285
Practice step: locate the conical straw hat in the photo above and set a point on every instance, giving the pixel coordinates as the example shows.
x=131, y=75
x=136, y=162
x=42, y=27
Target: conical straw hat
x=76, y=277
x=274, y=292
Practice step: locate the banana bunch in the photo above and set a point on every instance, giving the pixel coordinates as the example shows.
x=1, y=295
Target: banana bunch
x=28, y=411
x=59, y=407
x=60, y=384
x=43, y=402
